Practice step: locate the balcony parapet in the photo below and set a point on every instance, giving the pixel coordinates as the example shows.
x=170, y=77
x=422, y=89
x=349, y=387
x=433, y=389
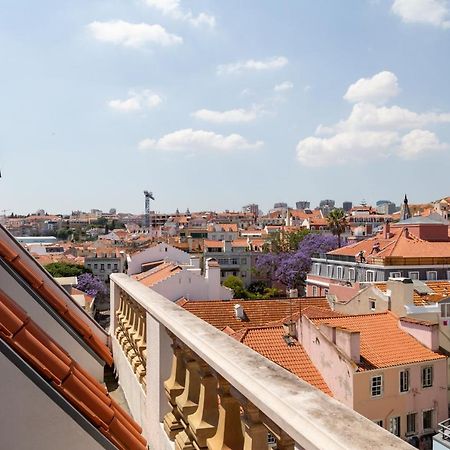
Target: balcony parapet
x=205, y=390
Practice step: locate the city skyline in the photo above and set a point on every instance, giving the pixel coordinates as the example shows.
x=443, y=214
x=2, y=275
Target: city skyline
x=102, y=100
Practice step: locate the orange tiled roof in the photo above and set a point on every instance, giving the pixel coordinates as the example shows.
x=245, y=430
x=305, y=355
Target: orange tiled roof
x=441, y=290
x=212, y=244
x=22, y=265
x=56, y=366
x=157, y=274
x=269, y=342
x=220, y=313
x=383, y=343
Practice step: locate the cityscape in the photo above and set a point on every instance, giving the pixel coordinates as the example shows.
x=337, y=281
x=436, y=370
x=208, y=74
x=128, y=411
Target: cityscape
x=225, y=225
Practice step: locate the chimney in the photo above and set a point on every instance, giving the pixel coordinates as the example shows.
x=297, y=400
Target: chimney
x=239, y=312
x=406, y=233
x=387, y=230
x=401, y=294
x=212, y=275
x=194, y=261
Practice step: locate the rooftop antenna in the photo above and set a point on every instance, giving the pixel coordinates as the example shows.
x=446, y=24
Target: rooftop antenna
x=147, y=222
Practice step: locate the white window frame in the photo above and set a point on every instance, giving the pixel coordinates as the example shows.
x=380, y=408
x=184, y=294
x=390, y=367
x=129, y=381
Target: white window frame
x=314, y=291
x=394, y=425
x=414, y=275
x=376, y=385
x=429, y=272
x=339, y=272
x=395, y=275
x=351, y=274
x=372, y=272
x=329, y=271
x=404, y=380
x=427, y=376
x=372, y=304
x=448, y=275
x=316, y=270
x=445, y=310
x=379, y=422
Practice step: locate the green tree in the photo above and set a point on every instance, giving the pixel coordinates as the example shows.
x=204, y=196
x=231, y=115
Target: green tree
x=62, y=269
x=237, y=286
x=337, y=223
x=285, y=241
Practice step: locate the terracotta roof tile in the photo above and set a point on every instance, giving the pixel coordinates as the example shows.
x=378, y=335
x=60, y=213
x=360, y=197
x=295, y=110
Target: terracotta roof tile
x=383, y=343
x=157, y=274
x=23, y=266
x=269, y=342
x=56, y=366
x=220, y=313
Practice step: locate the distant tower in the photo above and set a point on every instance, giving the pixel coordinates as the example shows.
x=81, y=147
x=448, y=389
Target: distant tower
x=405, y=212
x=147, y=222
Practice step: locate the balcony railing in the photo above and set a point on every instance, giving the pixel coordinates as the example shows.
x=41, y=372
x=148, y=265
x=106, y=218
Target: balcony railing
x=193, y=387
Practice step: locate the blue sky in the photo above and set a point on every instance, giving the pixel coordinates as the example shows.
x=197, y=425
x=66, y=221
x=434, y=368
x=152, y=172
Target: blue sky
x=216, y=104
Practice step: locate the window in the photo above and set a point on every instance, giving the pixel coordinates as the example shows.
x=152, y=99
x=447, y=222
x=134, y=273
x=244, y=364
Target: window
x=316, y=269
x=427, y=376
x=395, y=274
x=370, y=276
x=432, y=275
x=394, y=425
x=351, y=274
x=376, y=387
x=95, y=266
x=379, y=423
x=102, y=267
x=404, y=380
x=116, y=266
x=413, y=275
x=339, y=273
x=329, y=271
x=445, y=309
x=109, y=266
x=411, y=423
x=372, y=304
x=448, y=274
x=314, y=291
x=427, y=417
x=234, y=261
x=89, y=265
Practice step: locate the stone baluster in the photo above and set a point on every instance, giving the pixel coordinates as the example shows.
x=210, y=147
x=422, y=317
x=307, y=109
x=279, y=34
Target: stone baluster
x=229, y=429
x=255, y=432
x=120, y=314
x=203, y=422
x=285, y=442
x=174, y=386
x=187, y=401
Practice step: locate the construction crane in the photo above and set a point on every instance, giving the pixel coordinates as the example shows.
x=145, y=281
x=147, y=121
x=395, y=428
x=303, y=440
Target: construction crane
x=147, y=222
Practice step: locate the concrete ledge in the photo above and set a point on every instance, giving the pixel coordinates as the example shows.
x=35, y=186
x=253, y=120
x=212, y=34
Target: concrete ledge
x=314, y=420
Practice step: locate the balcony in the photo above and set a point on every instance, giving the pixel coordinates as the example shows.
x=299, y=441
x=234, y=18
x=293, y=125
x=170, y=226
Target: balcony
x=191, y=386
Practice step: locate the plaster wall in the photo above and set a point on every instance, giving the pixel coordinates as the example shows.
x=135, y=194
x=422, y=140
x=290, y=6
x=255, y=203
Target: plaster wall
x=29, y=419
x=48, y=323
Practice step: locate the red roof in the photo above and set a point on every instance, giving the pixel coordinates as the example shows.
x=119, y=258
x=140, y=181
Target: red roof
x=22, y=264
x=56, y=366
x=269, y=342
x=220, y=313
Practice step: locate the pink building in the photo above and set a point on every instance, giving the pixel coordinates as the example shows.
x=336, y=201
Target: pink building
x=386, y=370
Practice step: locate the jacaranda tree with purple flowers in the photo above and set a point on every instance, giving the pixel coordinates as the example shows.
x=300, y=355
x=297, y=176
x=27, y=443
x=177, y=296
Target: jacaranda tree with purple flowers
x=91, y=285
x=291, y=268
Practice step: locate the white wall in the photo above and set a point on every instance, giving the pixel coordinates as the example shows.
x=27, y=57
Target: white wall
x=29, y=419
x=159, y=252
x=191, y=286
x=48, y=323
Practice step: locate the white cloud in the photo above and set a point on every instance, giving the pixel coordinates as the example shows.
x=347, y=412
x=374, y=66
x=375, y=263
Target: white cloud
x=366, y=116
x=230, y=116
x=429, y=12
x=136, y=101
x=192, y=141
x=285, y=86
x=372, y=131
x=276, y=62
x=345, y=147
x=172, y=8
x=133, y=35
x=418, y=142
x=378, y=89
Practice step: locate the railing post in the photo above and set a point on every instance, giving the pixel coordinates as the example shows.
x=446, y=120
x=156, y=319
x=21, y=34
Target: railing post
x=187, y=401
x=203, y=423
x=229, y=429
x=285, y=442
x=174, y=386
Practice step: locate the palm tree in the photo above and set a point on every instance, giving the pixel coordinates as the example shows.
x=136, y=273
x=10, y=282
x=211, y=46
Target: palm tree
x=337, y=223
